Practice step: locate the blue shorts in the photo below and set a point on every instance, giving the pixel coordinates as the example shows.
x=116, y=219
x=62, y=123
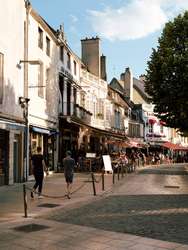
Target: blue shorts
x=69, y=178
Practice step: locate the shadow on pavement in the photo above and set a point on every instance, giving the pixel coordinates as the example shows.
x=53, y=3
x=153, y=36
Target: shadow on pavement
x=163, y=217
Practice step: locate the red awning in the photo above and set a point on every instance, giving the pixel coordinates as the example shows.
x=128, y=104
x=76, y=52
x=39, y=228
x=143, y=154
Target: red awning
x=162, y=123
x=173, y=146
x=170, y=145
x=135, y=144
x=182, y=148
x=152, y=120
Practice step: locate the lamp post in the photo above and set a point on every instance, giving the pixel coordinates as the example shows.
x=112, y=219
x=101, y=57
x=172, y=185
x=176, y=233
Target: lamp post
x=24, y=103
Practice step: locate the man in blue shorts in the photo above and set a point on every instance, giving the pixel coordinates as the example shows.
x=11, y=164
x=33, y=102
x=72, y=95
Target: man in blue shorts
x=68, y=164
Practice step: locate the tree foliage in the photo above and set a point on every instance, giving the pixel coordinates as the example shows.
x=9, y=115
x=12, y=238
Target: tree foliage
x=167, y=74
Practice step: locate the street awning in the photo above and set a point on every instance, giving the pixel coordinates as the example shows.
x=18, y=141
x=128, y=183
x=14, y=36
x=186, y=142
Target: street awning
x=118, y=143
x=162, y=123
x=152, y=119
x=182, y=148
x=43, y=131
x=136, y=143
x=170, y=145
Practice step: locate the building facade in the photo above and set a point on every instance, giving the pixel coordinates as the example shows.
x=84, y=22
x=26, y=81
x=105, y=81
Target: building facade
x=12, y=122
x=42, y=88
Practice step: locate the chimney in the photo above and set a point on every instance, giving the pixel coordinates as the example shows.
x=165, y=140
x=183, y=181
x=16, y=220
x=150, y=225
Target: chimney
x=122, y=77
x=91, y=55
x=103, y=68
x=128, y=83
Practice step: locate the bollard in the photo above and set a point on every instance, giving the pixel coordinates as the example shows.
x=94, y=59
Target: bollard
x=25, y=200
x=102, y=180
x=122, y=170
x=118, y=172
x=113, y=177
x=93, y=182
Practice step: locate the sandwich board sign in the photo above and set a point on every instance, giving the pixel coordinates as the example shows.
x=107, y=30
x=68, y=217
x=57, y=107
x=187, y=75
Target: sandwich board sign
x=107, y=163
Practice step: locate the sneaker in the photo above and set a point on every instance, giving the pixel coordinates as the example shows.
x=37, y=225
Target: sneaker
x=40, y=197
x=32, y=195
x=68, y=196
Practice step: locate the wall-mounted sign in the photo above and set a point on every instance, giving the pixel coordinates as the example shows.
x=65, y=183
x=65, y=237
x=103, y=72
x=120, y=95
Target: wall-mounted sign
x=90, y=155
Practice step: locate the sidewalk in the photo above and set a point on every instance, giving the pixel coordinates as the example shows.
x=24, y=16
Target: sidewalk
x=36, y=233
x=11, y=197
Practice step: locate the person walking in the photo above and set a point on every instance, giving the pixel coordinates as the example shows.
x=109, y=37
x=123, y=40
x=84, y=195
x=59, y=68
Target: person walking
x=68, y=164
x=38, y=168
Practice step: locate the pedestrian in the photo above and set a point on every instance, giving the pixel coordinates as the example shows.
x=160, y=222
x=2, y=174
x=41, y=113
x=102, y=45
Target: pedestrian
x=38, y=168
x=69, y=164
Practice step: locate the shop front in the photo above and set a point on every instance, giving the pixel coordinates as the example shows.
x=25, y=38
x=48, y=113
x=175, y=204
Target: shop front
x=69, y=133
x=4, y=157
x=11, y=151
x=46, y=139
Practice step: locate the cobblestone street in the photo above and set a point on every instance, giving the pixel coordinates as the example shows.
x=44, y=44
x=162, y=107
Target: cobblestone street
x=146, y=204
x=142, y=211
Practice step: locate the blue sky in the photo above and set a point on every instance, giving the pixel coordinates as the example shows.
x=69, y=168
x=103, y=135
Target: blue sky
x=128, y=29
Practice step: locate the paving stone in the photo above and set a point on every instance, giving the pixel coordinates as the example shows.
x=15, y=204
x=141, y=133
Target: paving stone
x=182, y=248
x=141, y=247
x=139, y=206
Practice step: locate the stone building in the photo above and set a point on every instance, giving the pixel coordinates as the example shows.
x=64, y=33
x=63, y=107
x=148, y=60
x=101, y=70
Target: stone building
x=94, y=82
x=28, y=90
x=130, y=91
x=42, y=85
x=73, y=113
x=12, y=122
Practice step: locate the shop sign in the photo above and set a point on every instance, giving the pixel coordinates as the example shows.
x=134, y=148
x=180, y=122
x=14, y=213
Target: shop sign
x=3, y=126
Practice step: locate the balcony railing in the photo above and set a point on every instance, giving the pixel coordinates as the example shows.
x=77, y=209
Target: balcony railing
x=118, y=131
x=82, y=114
x=75, y=111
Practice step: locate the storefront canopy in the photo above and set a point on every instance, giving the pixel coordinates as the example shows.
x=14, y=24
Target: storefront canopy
x=43, y=131
x=152, y=119
x=136, y=143
x=173, y=146
x=169, y=145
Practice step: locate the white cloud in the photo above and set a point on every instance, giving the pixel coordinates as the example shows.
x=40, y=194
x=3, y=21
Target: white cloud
x=73, y=23
x=73, y=18
x=136, y=19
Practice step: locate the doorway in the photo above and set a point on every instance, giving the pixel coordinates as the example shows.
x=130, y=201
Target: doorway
x=16, y=159
x=4, y=155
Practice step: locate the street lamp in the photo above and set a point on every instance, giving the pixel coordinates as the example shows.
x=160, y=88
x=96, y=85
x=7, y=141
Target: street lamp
x=32, y=62
x=24, y=103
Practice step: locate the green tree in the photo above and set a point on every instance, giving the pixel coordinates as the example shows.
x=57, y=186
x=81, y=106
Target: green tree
x=167, y=74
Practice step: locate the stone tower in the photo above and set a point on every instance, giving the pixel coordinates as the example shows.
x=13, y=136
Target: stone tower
x=91, y=55
x=127, y=79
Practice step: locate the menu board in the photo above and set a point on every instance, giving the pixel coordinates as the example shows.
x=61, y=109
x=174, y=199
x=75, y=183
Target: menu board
x=107, y=163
